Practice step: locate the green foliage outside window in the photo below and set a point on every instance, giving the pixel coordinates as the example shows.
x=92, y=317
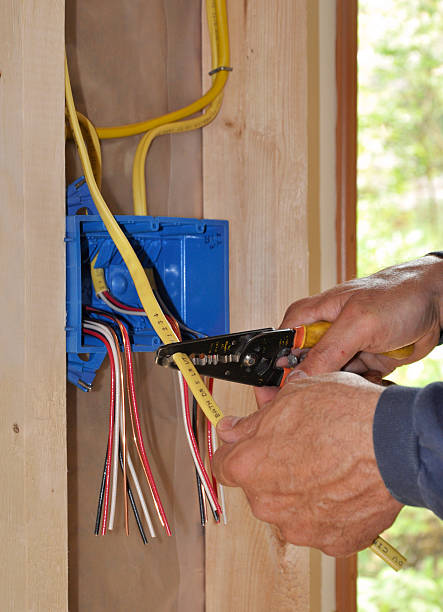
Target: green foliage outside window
x=400, y=217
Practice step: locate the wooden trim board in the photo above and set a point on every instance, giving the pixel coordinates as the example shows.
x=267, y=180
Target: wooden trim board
x=346, y=138
x=346, y=226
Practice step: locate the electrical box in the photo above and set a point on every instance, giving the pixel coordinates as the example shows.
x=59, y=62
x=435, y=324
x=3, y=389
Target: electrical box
x=187, y=258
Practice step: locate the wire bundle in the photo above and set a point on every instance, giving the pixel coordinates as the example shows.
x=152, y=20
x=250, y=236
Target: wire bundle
x=204, y=484
x=117, y=450
x=87, y=139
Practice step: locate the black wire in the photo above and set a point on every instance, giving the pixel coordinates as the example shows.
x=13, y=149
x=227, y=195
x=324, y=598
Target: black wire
x=101, y=496
x=132, y=500
x=194, y=429
x=201, y=501
x=183, y=327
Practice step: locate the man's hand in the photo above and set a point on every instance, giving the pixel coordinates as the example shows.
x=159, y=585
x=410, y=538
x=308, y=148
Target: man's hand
x=395, y=307
x=306, y=463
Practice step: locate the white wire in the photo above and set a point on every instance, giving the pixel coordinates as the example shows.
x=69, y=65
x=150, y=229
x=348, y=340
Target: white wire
x=220, y=486
x=188, y=437
x=118, y=399
x=133, y=313
x=140, y=496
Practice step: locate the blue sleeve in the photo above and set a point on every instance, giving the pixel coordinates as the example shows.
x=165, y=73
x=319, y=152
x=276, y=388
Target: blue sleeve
x=408, y=444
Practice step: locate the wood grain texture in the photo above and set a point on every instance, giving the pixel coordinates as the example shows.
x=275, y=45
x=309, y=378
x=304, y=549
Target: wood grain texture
x=255, y=175
x=33, y=505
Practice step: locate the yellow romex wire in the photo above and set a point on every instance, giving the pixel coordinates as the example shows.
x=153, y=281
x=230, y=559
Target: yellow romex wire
x=135, y=268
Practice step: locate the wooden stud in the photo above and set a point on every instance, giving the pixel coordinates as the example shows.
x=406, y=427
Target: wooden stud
x=255, y=175
x=33, y=563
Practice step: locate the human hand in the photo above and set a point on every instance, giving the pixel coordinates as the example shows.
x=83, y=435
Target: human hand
x=395, y=307
x=306, y=463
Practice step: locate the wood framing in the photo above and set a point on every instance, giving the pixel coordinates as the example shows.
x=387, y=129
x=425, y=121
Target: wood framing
x=346, y=226
x=346, y=138
x=255, y=174
x=33, y=504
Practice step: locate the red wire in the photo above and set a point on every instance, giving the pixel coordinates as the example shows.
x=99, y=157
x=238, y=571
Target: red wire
x=111, y=424
x=139, y=433
x=114, y=301
x=127, y=345
x=196, y=449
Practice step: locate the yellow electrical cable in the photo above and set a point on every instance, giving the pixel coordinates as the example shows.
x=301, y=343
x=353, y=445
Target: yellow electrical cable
x=138, y=170
x=135, y=268
x=92, y=142
x=139, y=164
x=217, y=12
x=95, y=150
x=214, y=37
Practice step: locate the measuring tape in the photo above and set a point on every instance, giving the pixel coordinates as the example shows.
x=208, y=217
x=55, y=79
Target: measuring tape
x=388, y=553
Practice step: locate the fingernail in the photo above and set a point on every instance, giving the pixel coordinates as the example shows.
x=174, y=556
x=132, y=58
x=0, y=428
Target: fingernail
x=297, y=374
x=228, y=422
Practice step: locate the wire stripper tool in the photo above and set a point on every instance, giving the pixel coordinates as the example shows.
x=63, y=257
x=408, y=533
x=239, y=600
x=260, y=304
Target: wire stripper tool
x=251, y=357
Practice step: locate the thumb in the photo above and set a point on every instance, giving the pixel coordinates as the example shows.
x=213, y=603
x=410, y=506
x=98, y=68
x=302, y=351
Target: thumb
x=233, y=429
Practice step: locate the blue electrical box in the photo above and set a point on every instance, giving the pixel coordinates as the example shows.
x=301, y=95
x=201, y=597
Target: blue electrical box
x=188, y=259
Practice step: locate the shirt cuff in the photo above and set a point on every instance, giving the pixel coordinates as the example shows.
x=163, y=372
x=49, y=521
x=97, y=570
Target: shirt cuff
x=396, y=445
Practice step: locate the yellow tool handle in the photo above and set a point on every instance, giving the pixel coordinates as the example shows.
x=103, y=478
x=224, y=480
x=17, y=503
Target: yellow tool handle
x=316, y=331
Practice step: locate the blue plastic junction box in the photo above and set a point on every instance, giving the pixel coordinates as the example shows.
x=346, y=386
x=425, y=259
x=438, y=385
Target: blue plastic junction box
x=188, y=258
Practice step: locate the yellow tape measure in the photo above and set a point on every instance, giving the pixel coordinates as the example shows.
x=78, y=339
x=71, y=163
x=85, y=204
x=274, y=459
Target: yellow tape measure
x=388, y=553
